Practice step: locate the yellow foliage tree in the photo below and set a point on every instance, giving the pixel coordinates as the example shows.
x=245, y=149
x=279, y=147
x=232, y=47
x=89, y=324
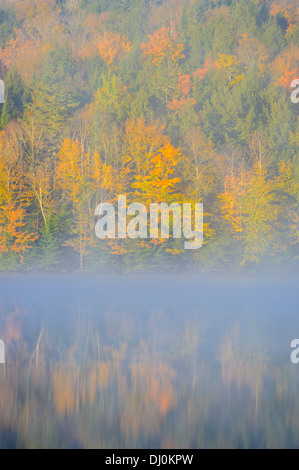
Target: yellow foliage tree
x=85, y=181
x=229, y=65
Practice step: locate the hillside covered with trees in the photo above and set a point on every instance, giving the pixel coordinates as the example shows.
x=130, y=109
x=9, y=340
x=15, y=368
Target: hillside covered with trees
x=158, y=100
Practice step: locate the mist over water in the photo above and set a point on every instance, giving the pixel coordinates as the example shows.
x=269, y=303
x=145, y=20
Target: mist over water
x=148, y=362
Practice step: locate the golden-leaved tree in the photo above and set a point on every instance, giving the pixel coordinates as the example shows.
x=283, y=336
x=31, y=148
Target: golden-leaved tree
x=84, y=181
x=257, y=213
x=15, y=239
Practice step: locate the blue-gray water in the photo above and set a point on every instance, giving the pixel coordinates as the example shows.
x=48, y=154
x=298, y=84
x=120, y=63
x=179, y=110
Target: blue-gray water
x=144, y=362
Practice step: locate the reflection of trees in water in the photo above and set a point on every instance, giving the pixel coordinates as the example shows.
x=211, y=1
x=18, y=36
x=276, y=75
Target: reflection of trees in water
x=242, y=367
x=138, y=395
x=11, y=330
x=148, y=399
x=102, y=392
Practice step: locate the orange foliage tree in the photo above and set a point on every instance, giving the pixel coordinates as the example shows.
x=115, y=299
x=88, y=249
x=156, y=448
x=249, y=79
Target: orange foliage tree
x=286, y=67
x=13, y=237
x=161, y=45
x=25, y=55
x=112, y=47
x=142, y=140
x=202, y=71
x=184, y=87
x=14, y=196
x=289, y=13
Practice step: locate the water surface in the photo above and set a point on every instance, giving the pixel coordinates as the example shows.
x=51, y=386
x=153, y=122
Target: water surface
x=148, y=362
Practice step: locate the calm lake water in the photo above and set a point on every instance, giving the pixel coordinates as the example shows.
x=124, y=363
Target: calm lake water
x=144, y=362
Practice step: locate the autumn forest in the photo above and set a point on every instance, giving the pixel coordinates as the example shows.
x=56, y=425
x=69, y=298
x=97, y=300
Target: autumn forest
x=158, y=100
